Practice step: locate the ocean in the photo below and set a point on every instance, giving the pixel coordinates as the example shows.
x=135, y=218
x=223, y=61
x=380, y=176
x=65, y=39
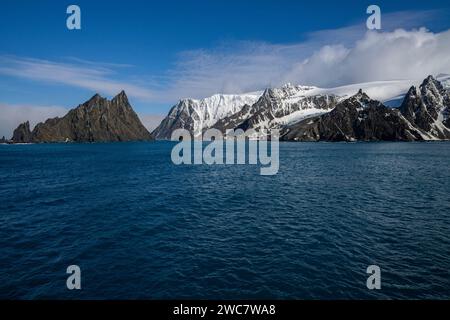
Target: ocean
x=140, y=227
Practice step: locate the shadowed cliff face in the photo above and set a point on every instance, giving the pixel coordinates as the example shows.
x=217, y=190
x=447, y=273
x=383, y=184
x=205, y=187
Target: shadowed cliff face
x=96, y=120
x=428, y=107
x=22, y=134
x=357, y=118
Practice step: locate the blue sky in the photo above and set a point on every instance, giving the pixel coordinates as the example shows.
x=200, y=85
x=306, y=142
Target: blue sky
x=161, y=51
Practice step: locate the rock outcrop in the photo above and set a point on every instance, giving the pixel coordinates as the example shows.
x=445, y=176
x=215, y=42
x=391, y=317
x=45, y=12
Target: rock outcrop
x=428, y=108
x=355, y=119
x=96, y=120
x=22, y=134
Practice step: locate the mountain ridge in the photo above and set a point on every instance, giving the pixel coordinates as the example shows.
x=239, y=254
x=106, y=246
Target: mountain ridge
x=288, y=107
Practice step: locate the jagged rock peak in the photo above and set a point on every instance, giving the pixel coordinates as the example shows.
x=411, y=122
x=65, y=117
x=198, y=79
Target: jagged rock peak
x=431, y=86
x=95, y=100
x=121, y=98
x=22, y=134
x=361, y=96
x=431, y=80
x=412, y=92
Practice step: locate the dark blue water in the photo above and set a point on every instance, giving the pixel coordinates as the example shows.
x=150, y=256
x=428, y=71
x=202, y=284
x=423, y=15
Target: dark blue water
x=141, y=227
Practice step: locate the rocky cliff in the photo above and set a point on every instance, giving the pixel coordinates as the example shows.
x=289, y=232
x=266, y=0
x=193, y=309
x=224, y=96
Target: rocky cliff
x=428, y=108
x=96, y=120
x=22, y=134
x=355, y=119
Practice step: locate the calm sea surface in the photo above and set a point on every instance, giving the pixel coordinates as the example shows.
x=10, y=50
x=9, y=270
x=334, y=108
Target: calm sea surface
x=140, y=227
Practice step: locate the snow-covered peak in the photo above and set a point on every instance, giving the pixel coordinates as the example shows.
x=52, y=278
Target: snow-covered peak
x=211, y=109
x=361, y=96
x=289, y=91
x=430, y=86
x=196, y=115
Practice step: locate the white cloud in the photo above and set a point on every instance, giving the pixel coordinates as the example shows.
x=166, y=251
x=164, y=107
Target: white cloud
x=376, y=56
x=327, y=58
x=390, y=21
x=96, y=77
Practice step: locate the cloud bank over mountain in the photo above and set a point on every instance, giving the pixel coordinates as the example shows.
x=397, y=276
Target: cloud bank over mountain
x=395, y=55
x=249, y=66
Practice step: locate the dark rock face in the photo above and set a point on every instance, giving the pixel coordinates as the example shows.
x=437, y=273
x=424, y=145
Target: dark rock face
x=22, y=134
x=423, y=115
x=3, y=140
x=234, y=121
x=181, y=116
x=357, y=118
x=428, y=108
x=96, y=120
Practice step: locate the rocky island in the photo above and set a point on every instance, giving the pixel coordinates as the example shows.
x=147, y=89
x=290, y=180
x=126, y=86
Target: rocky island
x=96, y=120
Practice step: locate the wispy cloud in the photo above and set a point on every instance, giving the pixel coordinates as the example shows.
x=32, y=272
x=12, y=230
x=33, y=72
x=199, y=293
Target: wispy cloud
x=97, y=77
x=348, y=35
x=326, y=58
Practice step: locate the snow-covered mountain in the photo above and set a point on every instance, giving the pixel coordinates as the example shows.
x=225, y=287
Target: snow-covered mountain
x=279, y=107
x=196, y=115
x=354, y=119
x=274, y=107
x=282, y=107
x=423, y=115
